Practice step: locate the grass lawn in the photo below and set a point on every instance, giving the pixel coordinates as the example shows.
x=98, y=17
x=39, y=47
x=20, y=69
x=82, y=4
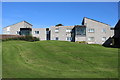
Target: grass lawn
x=58, y=59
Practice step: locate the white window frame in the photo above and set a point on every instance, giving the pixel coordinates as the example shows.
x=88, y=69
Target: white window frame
x=35, y=32
x=91, y=30
x=56, y=30
x=68, y=30
x=69, y=38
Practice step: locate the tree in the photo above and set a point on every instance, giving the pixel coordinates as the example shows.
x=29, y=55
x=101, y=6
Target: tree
x=59, y=25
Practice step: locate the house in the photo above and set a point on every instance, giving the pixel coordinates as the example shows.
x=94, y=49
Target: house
x=116, y=37
x=91, y=31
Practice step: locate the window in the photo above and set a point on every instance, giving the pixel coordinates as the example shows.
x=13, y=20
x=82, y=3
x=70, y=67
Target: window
x=69, y=38
x=56, y=30
x=80, y=31
x=103, y=38
x=18, y=32
x=36, y=32
x=91, y=30
x=91, y=39
x=8, y=28
x=68, y=30
x=104, y=30
x=56, y=38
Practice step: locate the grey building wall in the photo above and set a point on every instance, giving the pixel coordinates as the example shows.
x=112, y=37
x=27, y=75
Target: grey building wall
x=12, y=29
x=101, y=31
x=42, y=33
x=62, y=32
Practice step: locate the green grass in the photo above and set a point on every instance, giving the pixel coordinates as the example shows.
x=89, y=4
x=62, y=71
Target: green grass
x=58, y=59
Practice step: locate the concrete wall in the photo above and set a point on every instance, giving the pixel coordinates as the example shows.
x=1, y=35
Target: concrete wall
x=80, y=38
x=62, y=33
x=42, y=33
x=98, y=34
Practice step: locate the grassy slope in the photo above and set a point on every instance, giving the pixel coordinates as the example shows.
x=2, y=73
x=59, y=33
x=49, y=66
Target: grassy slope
x=58, y=59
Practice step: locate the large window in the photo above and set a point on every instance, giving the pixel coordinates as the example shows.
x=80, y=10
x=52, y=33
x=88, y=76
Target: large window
x=36, y=32
x=25, y=31
x=91, y=30
x=56, y=38
x=91, y=39
x=80, y=31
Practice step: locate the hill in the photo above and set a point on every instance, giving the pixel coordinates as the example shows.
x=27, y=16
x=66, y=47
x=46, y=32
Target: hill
x=58, y=59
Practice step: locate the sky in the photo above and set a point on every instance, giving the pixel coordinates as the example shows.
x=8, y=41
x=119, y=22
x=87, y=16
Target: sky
x=46, y=14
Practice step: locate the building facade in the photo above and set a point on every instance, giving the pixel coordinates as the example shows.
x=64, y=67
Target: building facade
x=91, y=31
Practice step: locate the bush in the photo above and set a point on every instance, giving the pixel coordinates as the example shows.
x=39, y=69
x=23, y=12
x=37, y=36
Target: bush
x=25, y=38
x=82, y=42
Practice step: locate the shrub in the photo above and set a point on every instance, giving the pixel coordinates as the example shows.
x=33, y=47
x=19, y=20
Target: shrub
x=82, y=42
x=25, y=38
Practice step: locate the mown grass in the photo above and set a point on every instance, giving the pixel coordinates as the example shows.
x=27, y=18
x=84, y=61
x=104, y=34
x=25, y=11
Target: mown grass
x=58, y=59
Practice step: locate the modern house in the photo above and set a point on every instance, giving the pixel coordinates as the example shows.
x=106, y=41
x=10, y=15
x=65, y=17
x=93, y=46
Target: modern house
x=91, y=31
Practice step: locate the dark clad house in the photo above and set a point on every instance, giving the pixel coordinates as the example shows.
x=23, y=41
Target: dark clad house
x=116, y=37
x=115, y=40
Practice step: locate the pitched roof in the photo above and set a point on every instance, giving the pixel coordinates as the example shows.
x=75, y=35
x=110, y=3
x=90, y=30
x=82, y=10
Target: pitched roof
x=19, y=22
x=93, y=20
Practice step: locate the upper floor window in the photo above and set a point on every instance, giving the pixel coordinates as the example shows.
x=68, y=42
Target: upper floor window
x=91, y=30
x=81, y=31
x=56, y=30
x=8, y=28
x=68, y=30
x=36, y=32
x=104, y=30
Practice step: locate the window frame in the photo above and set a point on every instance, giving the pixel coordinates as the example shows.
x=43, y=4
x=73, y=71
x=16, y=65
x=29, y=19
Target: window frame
x=69, y=38
x=36, y=32
x=91, y=30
